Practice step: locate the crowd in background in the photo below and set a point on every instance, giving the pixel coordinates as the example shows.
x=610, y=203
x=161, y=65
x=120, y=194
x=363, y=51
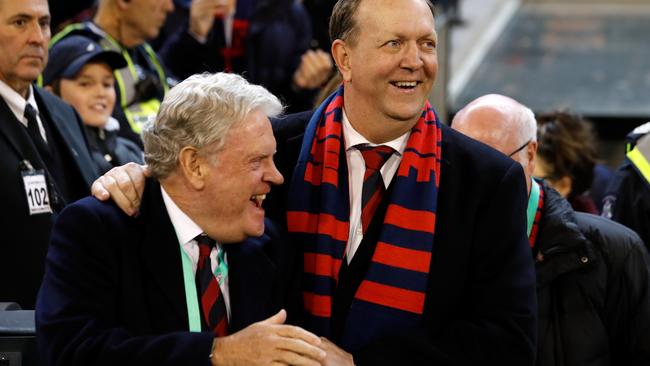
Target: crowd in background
x=114, y=61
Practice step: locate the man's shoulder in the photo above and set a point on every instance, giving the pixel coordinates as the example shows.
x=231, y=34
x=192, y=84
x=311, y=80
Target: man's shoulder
x=615, y=240
x=290, y=125
x=50, y=100
x=90, y=211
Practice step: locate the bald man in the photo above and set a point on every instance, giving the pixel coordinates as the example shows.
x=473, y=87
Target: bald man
x=593, y=283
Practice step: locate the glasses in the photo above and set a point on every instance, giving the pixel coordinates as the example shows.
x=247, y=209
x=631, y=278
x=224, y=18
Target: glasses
x=520, y=148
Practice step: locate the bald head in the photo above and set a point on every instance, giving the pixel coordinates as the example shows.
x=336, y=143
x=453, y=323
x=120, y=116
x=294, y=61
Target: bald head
x=504, y=124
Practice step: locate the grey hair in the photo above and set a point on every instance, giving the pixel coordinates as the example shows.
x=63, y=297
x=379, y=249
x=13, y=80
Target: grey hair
x=199, y=112
x=526, y=119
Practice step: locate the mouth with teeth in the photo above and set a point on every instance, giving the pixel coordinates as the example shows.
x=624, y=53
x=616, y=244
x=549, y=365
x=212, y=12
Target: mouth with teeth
x=258, y=199
x=98, y=107
x=408, y=85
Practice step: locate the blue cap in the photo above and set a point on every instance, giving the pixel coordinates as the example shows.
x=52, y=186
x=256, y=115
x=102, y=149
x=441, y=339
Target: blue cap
x=69, y=55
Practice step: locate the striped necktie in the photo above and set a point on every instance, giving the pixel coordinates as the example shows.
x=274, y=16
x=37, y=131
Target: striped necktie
x=213, y=306
x=373, y=184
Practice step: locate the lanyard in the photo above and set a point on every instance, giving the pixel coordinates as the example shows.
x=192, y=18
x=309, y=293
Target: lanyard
x=533, y=202
x=191, y=299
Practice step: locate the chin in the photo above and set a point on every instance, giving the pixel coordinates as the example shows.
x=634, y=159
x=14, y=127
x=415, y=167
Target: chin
x=256, y=231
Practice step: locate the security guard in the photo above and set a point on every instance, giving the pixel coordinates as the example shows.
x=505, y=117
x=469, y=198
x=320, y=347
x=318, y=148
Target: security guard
x=628, y=195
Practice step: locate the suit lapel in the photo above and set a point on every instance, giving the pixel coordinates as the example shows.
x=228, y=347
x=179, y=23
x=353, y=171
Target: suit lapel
x=160, y=250
x=251, y=276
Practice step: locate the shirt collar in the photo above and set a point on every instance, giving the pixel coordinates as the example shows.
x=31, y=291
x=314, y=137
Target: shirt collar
x=353, y=138
x=186, y=229
x=16, y=102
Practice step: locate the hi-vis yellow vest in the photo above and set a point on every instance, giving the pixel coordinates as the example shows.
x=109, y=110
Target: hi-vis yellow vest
x=639, y=156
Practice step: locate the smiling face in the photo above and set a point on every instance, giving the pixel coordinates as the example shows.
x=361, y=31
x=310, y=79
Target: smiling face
x=238, y=179
x=24, y=36
x=390, y=66
x=91, y=93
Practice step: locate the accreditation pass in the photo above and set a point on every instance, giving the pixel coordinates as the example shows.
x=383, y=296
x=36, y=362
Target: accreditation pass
x=38, y=199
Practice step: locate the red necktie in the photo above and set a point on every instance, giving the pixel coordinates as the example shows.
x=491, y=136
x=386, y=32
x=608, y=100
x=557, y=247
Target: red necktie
x=373, y=184
x=213, y=306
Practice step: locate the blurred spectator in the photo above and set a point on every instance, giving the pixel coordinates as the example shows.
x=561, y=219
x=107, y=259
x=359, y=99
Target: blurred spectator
x=267, y=41
x=44, y=158
x=81, y=73
x=566, y=157
x=124, y=26
x=628, y=194
x=593, y=282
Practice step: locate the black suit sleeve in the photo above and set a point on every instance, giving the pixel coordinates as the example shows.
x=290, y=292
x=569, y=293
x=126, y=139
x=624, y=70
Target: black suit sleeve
x=77, y=319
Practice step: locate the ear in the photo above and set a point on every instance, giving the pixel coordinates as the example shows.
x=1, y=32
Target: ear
x=563, y=186
x=531, y=154
x=342, y=59
x=193, y=167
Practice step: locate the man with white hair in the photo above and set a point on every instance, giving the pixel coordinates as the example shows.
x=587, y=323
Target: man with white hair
x=180, y=283
x=593, y=284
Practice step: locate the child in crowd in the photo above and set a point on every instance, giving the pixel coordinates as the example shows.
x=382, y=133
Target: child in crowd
x=81, y=73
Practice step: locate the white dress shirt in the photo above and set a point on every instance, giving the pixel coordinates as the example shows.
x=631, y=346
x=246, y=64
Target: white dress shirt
x=356, y=170
x=186, y=230
x=17, y=104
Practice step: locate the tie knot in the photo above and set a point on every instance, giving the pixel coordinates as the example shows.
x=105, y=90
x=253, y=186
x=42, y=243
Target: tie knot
x=375, y=156
x=205, y=245
x=30, y=113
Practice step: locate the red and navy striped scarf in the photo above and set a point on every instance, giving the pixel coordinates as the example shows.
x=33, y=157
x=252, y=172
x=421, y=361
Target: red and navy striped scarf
x=391, y=297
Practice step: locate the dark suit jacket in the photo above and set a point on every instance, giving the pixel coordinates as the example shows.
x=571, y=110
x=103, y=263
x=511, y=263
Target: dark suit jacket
x=113, y=291
x=23, y=243
x=480, y=306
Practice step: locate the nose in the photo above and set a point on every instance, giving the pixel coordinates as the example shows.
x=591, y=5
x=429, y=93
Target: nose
x=412, y=57
x=99, y=90
x=273, y=175
x=39, y=34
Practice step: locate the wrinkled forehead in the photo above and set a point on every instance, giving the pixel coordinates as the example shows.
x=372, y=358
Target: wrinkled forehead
x=395, y=16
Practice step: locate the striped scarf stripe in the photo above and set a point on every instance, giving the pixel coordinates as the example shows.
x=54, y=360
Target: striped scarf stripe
x=318, y=219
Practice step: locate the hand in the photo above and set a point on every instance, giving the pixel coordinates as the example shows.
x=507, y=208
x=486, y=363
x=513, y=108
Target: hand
x=124, y=184
x=335, y=355
x=269, y=342
x=314, y=69
x=202, y=13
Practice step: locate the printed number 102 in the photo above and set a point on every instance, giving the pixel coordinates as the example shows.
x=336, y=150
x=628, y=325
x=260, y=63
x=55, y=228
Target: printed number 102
x=38, y=197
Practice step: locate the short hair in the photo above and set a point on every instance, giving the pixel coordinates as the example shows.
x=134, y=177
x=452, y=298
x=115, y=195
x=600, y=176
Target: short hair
x=567, y=145
x=343, y=22
x=199, y=112
x=526, y=119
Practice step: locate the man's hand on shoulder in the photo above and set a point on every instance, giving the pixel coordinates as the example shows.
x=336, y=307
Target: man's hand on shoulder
x=269, y=342
x=124, y=184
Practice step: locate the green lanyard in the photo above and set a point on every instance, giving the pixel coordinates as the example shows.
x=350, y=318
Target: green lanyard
x=191, y=298
x=193, y=312
x=533, y=202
